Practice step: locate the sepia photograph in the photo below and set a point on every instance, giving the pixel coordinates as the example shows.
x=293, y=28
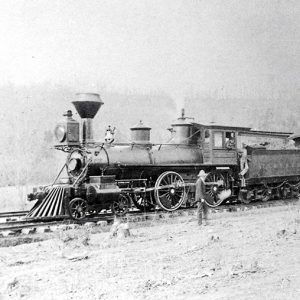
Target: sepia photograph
x=150, y=149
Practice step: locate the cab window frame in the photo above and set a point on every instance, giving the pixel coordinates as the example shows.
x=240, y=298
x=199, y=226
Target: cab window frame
x=232, y=134
x=215, y=133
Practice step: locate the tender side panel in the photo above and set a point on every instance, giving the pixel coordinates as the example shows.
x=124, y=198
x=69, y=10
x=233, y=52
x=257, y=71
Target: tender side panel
x=274, y=163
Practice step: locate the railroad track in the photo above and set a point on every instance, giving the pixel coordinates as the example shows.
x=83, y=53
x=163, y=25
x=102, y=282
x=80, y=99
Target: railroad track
x=13, y=214
x=18, y=225
x=40, y=226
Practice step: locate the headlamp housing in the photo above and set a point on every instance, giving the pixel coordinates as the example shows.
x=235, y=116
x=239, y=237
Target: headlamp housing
x=60, y=133
x=67, y=132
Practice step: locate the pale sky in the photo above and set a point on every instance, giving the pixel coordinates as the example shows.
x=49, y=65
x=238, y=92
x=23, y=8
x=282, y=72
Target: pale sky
x=238, y=48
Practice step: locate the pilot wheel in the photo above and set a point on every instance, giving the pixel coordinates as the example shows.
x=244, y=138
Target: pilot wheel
x=77, y=208
x=120, y=207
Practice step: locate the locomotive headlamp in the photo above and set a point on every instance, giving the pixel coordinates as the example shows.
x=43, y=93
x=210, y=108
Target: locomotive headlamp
x=60, y=133
x=67, y=131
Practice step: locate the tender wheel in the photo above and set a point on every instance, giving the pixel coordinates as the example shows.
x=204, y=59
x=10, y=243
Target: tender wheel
x=295, y=192
x=121, y=206
x=214, y=188
x=169, y=191
x=143, y=201
x=285, y=192
x=266, y=195
x=246, y=197
x=77, y=208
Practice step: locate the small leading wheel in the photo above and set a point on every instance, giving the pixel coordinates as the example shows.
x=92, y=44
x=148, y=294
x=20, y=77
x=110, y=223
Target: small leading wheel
x=169, y=191
x=121, y=206
x=214, y=188
x=144, y=201
x=77, y=208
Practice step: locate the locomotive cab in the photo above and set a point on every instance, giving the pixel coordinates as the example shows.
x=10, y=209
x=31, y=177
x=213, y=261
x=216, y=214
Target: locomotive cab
x=219, y=144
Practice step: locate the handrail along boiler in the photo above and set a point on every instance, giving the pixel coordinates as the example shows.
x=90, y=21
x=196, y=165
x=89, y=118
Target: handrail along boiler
x=110, y=175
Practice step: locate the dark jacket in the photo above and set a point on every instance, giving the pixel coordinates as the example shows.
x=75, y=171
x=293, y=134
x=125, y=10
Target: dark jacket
x=200, y=190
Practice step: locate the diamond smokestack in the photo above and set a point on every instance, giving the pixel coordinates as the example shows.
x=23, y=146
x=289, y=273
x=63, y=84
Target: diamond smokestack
x=87, y=106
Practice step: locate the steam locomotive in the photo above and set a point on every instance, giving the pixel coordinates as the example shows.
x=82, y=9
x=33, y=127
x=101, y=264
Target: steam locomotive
x=241, y=165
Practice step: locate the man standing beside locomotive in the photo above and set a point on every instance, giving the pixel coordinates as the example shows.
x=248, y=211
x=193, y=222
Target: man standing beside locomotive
x=202, y=208
x=243, y=163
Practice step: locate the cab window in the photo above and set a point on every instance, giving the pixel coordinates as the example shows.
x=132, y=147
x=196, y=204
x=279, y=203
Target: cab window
x=218, y=139
x=229, y=139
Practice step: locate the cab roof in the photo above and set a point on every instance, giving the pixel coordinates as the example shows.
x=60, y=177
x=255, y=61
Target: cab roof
x=241, y=129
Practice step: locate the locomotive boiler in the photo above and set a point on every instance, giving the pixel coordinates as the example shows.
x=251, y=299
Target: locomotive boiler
x=110, y=175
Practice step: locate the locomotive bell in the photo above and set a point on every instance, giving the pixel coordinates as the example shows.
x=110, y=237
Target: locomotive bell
x=87, y=106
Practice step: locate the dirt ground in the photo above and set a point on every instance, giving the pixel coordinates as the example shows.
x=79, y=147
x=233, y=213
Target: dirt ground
x=241, y=255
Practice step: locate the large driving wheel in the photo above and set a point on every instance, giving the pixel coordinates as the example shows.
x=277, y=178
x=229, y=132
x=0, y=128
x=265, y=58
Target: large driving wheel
x=169, y=191
x=144, y=201
x=214, y=188
x=77, y=208
x=121, y=206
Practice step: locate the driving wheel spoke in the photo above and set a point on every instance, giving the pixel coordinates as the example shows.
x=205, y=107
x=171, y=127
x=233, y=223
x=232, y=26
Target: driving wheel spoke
x=174, y=191
x=214, y=187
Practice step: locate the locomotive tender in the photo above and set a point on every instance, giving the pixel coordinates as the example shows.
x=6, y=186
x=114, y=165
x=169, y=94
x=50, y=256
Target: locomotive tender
x=109, y=175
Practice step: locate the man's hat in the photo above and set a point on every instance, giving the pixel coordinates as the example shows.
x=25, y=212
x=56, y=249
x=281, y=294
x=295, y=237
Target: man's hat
x=202, y=174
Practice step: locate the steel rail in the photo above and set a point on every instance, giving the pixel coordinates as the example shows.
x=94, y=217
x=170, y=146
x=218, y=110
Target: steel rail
x=13, y=213
x=17, y=227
